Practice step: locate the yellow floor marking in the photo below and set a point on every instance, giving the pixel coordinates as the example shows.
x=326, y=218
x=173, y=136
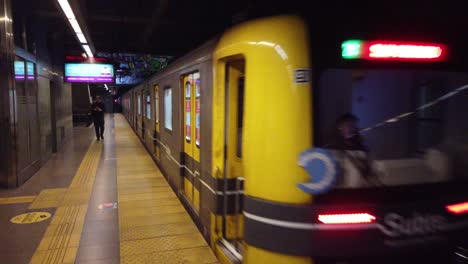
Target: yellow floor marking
x=62, y=238
x=198, y=255
x=142, y=246
x=147, y=211
x=31, y=217
x=17, y=199
x=146, y=190
x=141, y=232
x=154, y=226
x=147, y=203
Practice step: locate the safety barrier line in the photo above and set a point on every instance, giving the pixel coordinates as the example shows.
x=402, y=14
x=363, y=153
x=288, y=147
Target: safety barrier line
x=62, y=238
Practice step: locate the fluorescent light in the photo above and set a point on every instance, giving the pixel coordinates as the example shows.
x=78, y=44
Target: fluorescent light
x=105, y=85
x=66, y=9
x=88, y=51
x=76, y=27
x=82, y=38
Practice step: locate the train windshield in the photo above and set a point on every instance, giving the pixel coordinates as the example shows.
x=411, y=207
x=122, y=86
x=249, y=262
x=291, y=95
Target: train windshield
x=389, y=127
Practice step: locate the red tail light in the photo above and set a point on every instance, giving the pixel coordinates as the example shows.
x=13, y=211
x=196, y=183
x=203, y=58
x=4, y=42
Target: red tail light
x=357, y=218
x=459, y=208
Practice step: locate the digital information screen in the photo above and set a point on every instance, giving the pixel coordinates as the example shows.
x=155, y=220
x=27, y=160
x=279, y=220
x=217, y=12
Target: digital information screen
x=20, y=70
x=89, y=73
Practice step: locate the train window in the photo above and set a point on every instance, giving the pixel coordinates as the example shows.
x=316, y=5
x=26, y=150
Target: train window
x=394, y=127
x=197, y=108
x=168, y=108
x=188, y=111
x=156, y=105
x=148, y=105
x=139, y=105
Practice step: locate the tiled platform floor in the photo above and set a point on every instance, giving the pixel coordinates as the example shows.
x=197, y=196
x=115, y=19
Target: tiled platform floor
x=109, y=204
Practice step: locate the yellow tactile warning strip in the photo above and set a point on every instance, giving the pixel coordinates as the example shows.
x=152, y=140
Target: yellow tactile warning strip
x=79, y=190
x=154, y=226
x=17, y=199
x=61, y=240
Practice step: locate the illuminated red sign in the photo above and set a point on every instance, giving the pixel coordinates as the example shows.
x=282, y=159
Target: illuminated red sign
x=391, y=50
x=82, y=59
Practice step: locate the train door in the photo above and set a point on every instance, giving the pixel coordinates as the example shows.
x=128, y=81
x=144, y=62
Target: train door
x=156, y=123
x=139, y=114
x=191, y=137
x=232, y=222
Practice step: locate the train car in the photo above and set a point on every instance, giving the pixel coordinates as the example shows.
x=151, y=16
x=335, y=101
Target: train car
x=293, y=145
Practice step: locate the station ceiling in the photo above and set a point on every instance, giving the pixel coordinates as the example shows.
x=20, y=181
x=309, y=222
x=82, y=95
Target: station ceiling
x=174, y=27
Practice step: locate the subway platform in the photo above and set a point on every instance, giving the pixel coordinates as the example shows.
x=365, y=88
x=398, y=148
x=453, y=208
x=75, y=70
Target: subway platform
x=99, y=202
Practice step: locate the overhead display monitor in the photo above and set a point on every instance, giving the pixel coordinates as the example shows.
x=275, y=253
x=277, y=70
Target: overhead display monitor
x=89, y=73
x=20, y=70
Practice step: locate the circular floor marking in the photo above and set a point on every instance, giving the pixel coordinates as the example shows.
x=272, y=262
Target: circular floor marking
x=30, y=218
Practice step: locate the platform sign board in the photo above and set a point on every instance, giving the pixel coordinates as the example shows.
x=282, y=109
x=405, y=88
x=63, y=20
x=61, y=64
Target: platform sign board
x=89, y=73
x=21, y=70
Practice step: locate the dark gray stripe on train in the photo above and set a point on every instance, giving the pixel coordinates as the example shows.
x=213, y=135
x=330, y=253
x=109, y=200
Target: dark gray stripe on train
x=279, y=211
x=217, y=184
x=216, y=203
x=277, y=239
x=216, y=200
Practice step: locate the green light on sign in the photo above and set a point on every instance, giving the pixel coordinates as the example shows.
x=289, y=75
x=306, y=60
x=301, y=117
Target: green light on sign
x=351, y=49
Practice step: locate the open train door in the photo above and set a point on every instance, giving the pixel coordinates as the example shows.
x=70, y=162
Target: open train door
x=261, y=123
x=228, y=123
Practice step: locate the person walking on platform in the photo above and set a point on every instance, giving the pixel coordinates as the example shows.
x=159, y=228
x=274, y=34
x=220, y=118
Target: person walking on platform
x=97, y=113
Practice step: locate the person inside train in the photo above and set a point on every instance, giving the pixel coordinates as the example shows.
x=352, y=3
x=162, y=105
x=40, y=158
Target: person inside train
x=347, y=135
x=97, y=114
x=353, y=154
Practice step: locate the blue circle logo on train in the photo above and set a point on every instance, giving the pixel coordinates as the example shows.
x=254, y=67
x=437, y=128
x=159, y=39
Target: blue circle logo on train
x=323, y=170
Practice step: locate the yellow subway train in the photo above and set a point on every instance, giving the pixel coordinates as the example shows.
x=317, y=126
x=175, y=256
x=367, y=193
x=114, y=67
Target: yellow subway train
x=289, y=146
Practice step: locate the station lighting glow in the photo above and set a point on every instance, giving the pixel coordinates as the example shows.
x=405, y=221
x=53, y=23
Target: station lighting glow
x=459, y=208
x=88, y=51
x=81, y=38
x=391, y=50
x=357, y=218
x=67, y=10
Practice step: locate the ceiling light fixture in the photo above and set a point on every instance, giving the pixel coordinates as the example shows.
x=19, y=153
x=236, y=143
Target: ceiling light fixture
x=88, y=51
x=81, y=37
x=68, y=11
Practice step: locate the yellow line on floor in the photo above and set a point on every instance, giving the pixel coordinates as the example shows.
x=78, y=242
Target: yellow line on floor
x=154, y=226
x=17, y=199
x=62, y=238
